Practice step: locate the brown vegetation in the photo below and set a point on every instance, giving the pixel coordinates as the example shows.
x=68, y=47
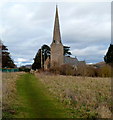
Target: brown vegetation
x=82, y=70
x=9, y=93
x=85, y=97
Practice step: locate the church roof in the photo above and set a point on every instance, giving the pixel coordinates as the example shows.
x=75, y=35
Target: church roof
x=70, y=60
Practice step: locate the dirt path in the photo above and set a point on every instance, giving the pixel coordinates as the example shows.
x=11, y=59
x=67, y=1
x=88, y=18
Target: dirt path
x=35, y=102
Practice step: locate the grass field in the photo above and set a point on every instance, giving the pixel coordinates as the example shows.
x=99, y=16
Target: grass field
x=31, y=100
x=86, y=97
x=55, y=96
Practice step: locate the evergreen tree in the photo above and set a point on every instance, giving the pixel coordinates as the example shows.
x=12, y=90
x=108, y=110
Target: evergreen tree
x=37, y=61
x=45, y=52
x=67, y=51
x=109, y=55
x=7, y=62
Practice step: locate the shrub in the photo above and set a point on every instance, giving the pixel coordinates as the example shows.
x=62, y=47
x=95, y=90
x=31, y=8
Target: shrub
x=90, y=71
x=105, y=71
x=66, y=69
x=55, y=68
x=82, y=70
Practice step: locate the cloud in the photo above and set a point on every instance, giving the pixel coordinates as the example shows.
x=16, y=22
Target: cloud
x=95, y=50
x=21, y=60
x=85, y=27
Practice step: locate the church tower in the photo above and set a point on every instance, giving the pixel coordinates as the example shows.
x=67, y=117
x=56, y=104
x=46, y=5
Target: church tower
x=57, y=57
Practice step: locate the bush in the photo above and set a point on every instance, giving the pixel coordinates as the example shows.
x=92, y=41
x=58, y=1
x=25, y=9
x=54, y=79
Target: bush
x=67, y=70
x=104, y=71
x=90, y=71
x=55, y=69
x=82, y=70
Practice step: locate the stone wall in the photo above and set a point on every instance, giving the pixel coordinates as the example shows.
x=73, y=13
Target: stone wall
x=57, y=57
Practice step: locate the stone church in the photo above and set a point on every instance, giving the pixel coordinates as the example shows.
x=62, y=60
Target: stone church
x=57, y=57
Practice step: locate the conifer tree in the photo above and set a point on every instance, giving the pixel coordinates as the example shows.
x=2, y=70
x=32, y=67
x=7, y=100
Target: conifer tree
x=109, y=55
x=6, y=61
x=44, y=52
x=67, y=51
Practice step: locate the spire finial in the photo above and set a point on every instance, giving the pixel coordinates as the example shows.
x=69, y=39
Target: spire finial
x=56, y=10
x=56, y=5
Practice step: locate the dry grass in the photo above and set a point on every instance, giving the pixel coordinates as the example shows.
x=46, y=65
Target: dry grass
x=9, y=93
x=86, y=97
x=0, y=94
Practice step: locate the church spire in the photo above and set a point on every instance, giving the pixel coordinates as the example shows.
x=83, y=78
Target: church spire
x=57, y=49
x=56, y=33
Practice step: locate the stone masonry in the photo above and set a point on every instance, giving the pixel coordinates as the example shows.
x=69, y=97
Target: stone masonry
x=57, y=57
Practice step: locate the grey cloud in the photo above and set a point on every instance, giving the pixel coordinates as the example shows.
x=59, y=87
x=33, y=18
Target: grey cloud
x=27, y=26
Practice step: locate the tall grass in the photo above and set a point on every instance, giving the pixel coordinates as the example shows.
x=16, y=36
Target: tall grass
x=9, y=93
x=0, y=94
x=86, y=97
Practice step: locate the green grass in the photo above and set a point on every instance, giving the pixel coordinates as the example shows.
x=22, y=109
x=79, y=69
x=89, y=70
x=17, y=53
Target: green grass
x=34, y=100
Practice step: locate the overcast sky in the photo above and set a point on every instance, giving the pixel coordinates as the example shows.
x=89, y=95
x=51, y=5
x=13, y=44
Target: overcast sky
x=85, y=27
